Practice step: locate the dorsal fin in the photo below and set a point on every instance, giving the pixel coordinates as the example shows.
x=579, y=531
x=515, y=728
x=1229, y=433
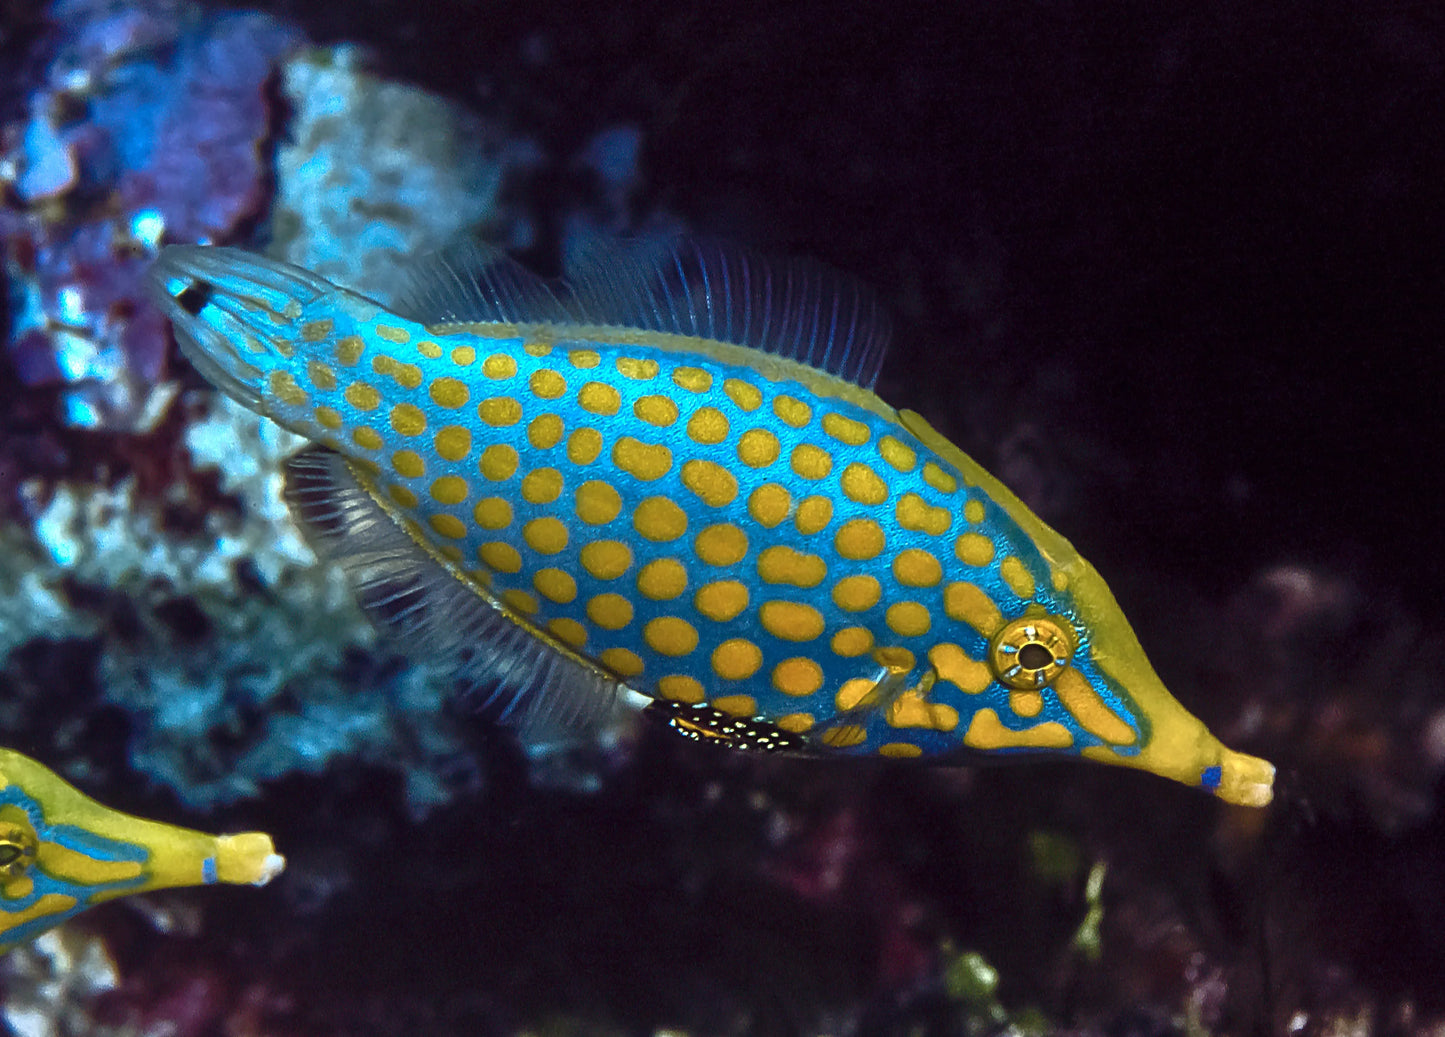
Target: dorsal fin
x=796, y=308
x=516, y=677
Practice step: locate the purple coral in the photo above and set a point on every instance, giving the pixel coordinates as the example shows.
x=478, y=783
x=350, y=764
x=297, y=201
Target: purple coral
x=151, y=124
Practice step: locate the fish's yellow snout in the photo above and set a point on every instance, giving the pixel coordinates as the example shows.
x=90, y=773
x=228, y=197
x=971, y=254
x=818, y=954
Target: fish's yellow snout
x=1245, y=780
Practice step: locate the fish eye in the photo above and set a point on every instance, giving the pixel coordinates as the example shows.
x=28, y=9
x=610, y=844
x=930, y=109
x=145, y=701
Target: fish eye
x=1030, y=652
x=17, y=850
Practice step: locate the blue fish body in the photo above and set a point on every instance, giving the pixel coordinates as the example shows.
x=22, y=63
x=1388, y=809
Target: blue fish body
x=670, y=484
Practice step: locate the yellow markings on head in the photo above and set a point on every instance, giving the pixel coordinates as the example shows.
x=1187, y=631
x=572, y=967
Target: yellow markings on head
x=973, y=549
x=792, y=411
x=845, y=430
x=655, y=410
x=670, y=635
x=622, y=661
x=464, y=356
x=1093, y=714
x=450, y=393
x=938, y=478
x=367, y=438
x=897, y=453
x=429, y=349
x=609, y=611
x=811, y=461
x=597, y=503
x=814, y=514
x=393, y=334
x=519, y=601
x=500, y=557
x=713, y=483
x=329, y=417
x=862, y=484
x=859, y=539
x=782, y=564
x=402, y=496
x=662, y=579
x=679, y=687
x=583, y=359
x=316, y=330
x=500, y=411
x=323, y=376
x=542, y=486
x=584, y=445
x=449, y=489
x=758, y=448
x=555, y=585
x=408, y=420
x=547, y=384
x=408, y=376
x=952, y=664
x=693, y=379
x=987, y=732
x=545, y=431
x=769, y=504
x=285, y=389
x=973, y=511
x=722, y=544
x=448, y=526
x=1016, y=576
x=568, y=631
x=917, y=515
x=659, y=520
x=735, y=705
x=645, y=461
x=908, y=619
x=797, y=676
x=454, y=442
x=915, y=567
x=900, y=750
x=708, y=426
x=408, y=463
x=546, y=535
x=721, y=601
x=790, y=620
x=597, y=397
x=499, y=462
x=499, y=366
x=362, y=396
x=736, y=659
x=857, y=593
x=606, y=559
x=639, y=370
x=349, y=350
x=537, y=349
x=747, y=396
x=911, y=709
x=1025, y=703
x=967, y=603
x=851, y=642
x=492, y=513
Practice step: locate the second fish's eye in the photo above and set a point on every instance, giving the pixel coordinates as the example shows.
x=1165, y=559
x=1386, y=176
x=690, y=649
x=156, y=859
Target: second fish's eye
x=1030, y=652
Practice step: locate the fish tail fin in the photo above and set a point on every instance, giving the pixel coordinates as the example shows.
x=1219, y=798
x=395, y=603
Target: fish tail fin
x=236, y=314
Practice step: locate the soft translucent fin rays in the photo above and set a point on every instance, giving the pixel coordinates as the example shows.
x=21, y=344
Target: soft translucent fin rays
x=506, y=669
x=795, y=309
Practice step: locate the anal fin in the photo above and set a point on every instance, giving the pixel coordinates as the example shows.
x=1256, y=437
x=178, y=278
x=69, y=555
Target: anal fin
x=518, y=675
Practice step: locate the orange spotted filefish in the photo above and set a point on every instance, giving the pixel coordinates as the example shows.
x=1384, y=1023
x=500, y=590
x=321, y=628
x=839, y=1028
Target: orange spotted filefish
x=666, y=484
x=62, y=852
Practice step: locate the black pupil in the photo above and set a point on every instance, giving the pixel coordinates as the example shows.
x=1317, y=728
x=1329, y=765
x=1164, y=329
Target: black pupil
x=9, y=854
x=1034, y=656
